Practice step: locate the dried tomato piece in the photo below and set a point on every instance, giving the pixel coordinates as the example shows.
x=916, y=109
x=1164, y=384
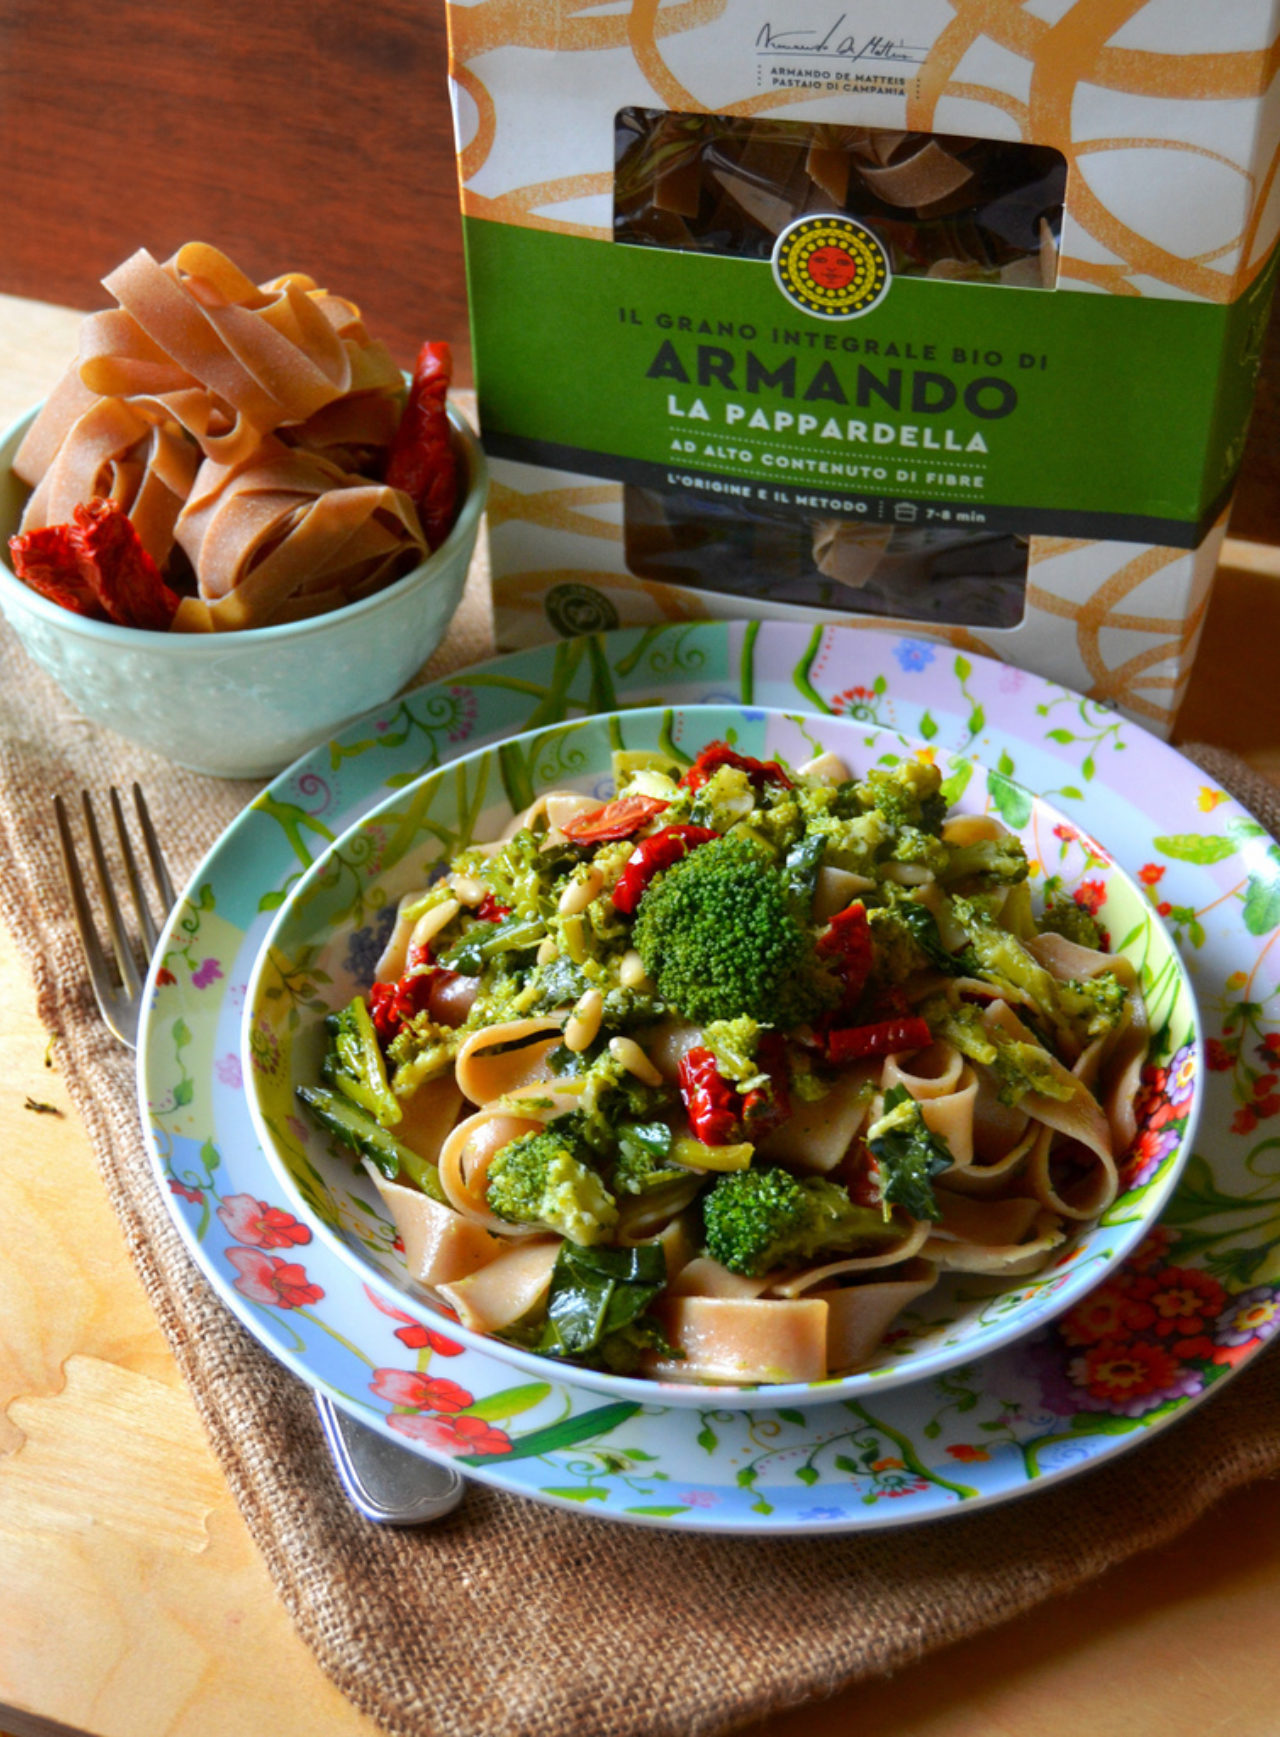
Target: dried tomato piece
x=491, y=910
x=711, y=1102
x=46, y=561
x=617, y=819
x=117, y=569
x=651, y=856
x=421, y=459
x=717, y=754
x=846, y=943
x=766, y=1109
x=393, y=1005
x=852, y=1043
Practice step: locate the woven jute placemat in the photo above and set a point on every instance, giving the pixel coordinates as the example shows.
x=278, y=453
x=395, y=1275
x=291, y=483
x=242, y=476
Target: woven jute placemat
x=586, y=1628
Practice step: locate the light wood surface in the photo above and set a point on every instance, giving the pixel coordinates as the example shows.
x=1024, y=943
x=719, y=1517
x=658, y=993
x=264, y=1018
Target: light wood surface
x=133, y=1604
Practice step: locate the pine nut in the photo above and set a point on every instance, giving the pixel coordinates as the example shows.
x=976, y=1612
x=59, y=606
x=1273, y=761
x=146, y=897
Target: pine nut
x=631, y=972
x=627, y=1051
x=579, y=894
x=584, y=1021
x=467, y=889
x=547, y=951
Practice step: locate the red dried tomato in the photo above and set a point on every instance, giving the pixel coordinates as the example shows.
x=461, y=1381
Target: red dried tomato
x=421, y=459
x=46, y=561
x=846, y=943
x=392, y=1005
x=489, y=910
x=717, y=754
x=651, y=856
x=96, y=566
x=617, y=819
x=712, y=1104
x=852, y=1043
x=766, y=1109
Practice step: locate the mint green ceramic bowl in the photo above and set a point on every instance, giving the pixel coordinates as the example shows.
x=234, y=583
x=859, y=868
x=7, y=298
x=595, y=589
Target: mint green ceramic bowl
x=244, y=705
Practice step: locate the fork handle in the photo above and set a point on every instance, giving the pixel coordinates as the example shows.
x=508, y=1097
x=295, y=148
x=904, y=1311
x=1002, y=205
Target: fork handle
x=386, y=1483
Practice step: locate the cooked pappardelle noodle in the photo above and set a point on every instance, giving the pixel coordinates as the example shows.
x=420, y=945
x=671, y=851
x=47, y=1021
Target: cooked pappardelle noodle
x=709, y=1081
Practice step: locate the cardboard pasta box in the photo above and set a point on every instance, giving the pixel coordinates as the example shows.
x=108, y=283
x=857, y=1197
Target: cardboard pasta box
x=916, y=311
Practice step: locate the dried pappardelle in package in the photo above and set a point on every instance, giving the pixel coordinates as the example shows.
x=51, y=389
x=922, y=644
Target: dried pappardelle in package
x=225, y=455
x=883, y=316
x=967, y=210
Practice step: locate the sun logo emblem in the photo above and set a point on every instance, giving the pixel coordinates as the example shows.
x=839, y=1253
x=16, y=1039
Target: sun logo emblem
x=831, y=266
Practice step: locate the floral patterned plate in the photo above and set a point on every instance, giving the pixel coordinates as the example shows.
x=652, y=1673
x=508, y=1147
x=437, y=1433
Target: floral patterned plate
x=1198, y=1298
x=308, y=967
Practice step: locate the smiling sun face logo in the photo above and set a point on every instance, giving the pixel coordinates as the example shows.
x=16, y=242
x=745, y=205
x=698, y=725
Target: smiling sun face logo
x=831, y=266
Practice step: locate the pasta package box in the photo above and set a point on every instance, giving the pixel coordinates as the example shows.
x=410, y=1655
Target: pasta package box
x=938, y=314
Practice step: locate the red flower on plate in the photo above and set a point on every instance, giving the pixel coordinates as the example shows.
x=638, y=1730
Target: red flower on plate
x=1183, y=1300
x=413, y=1333
x=1150, y=873
x=967, y=1454
x=194, y=1195
x=451, y=1435
x=1122, y=1374
x=1090, y=896
x=1111, y=1313
x=423, y=1392
x=253, y=1221
x=267, y=1279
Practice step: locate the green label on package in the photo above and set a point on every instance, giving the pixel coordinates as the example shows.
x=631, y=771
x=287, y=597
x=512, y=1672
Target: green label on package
x=1057, y=412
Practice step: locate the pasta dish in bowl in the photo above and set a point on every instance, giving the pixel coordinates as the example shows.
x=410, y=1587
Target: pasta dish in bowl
x=723, y=1047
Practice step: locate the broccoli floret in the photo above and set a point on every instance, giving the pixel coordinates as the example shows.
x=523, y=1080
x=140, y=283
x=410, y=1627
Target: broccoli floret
x=541, y=1179
x=718, y=938
x=908, y=794
x=853, y=842
x=1066, y=918
x=756, y=1220
x=1094, y=1006
x=897, y=951
x=999, y=859
x=733, y=1042
x=354, y=1062
x=727, y=797
x=1019, y=1067
x=922, y=848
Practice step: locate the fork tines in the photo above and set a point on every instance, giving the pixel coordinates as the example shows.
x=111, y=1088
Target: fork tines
x=119, y=1003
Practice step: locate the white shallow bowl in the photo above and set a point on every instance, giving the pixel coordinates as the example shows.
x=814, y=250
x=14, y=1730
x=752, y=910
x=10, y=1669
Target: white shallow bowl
x=244, y=704
x=323, y=944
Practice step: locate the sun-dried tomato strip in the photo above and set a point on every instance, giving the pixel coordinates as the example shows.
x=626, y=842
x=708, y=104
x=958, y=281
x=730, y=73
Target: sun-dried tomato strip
x=421, y=460
x=118, y=570
x=617, y=819
x=717, y=754
x=852, y=1043
x=46, y=561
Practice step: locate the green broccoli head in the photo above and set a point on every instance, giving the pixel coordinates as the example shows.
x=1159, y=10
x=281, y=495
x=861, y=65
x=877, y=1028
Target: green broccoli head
x=542, y=1179
x=908, y=794
x=1063, y=916
x=756, y=1220
x=719, y=939
x=1095, y=1004
x=1001, y=859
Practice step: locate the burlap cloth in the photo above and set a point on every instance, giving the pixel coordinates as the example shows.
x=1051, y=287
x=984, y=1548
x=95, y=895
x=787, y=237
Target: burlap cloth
x=511, y=1618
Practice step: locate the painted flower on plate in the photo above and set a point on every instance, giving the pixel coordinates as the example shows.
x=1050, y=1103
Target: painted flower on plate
x=422, y=1392
x=263, y=1226
x=450, y=1435
x=266, y=1278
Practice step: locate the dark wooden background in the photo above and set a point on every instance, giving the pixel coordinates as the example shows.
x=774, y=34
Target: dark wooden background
x=294, y=134
x=309, y=135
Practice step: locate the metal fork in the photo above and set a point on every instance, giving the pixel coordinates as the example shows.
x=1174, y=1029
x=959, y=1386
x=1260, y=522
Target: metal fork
x=385, y=1483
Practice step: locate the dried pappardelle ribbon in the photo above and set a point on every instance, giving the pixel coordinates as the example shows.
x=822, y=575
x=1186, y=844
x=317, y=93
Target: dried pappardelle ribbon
x=243, y=428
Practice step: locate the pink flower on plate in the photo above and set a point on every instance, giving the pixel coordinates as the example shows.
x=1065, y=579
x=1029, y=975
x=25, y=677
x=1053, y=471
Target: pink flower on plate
x=253, y=1221
x=451, y=1435
x=207, y=972
x=228, y=1070
x=266, y=1278
x=423, y=1392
